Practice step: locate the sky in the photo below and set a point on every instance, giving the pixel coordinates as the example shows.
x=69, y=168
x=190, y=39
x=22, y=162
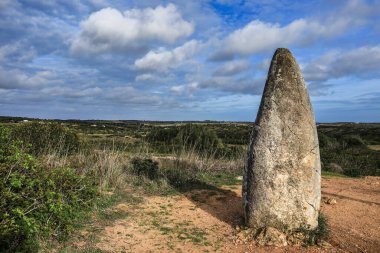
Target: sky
x=184, y=60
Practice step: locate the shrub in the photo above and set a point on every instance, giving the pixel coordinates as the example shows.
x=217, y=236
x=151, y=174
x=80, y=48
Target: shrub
x=318, y=234
x=180, y=173
x=36, y=202
x=160, y=134
x=46, y=138
x=198, y=138
x=327, y=141
x=335, y=168
x=354, y=141
x=145, y=167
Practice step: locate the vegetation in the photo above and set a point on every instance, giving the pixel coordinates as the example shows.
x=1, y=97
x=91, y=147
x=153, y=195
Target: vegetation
x=35, y=201
x=145, y=167
x=317, y=235
x=54, y=171
x=344, y=149
x=46, y=138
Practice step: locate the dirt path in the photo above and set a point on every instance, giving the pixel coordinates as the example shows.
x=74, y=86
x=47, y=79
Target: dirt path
x=206, y=220
x=355, y=219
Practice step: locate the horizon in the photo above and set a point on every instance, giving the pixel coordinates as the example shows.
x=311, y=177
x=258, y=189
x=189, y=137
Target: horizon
x=202, y=60
x=148, y=120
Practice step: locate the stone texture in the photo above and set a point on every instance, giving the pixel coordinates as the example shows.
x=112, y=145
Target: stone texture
x=281, y=185
x=271, y=237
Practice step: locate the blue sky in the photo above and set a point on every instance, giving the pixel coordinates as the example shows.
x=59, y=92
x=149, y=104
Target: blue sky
x=184, y=60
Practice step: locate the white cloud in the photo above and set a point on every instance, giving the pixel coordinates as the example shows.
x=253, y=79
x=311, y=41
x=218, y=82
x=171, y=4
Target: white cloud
x=232, y=68
x=7, y=50
x=145, y=77
x=111, y=95
x=229, y=84
x=130, y=95
x=16, y=52
x=258, y=36
x=361, y=62
x=7, y=3
x=15, y=79
x=187, y=89
x=71, y=92
x=319, y=89
x=164, y=59
x=109, y=29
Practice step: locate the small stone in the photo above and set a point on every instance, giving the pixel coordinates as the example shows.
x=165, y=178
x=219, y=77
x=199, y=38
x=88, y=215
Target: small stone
x=237, y=228
x=296, y=238
x=324, y=244
x=331, y=201
x=271, y=237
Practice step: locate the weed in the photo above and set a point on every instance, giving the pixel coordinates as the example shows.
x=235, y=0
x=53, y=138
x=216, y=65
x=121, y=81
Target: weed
x=321, y=232
x=145, y=167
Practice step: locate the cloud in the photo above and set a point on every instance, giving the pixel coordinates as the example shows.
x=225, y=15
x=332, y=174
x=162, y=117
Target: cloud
x=6, y=50
x=119, y=95
x=111, y=30
x=164, y=59
x=16, y=79
x=71, y=92
x=241, y=85
x=225, y=84
x=145, y=77
x=319, y=89
x=361, y=62
x=187, y=89
x=232, y=68
x=16, y=52
x=258, y=36
x=130, y=95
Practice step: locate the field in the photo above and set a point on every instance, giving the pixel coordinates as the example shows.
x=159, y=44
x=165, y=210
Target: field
x=176, y=186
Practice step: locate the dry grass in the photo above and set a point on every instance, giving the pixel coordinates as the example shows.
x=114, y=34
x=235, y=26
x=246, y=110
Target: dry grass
x=374, y=147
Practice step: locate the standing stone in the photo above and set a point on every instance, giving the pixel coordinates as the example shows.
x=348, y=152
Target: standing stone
x=282, y=181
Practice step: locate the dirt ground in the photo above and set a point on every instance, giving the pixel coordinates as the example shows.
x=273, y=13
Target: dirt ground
x=208, y=220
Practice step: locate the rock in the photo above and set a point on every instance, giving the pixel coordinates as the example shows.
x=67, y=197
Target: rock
x=331, y=201
x=324, y=244
x=296, y=238
x=282, y=182
x=271, y=237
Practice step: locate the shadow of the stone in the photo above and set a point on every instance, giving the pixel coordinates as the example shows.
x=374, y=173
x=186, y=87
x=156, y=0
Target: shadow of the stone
x=221, y=203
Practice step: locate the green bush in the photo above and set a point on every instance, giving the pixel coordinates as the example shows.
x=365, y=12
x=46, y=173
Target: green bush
x=160, y=134
x=354, y=141
x=36, y=202
x=340, y=145
x=327, y=141
x=145, y=167
x=199, y=138
x=46, y=138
